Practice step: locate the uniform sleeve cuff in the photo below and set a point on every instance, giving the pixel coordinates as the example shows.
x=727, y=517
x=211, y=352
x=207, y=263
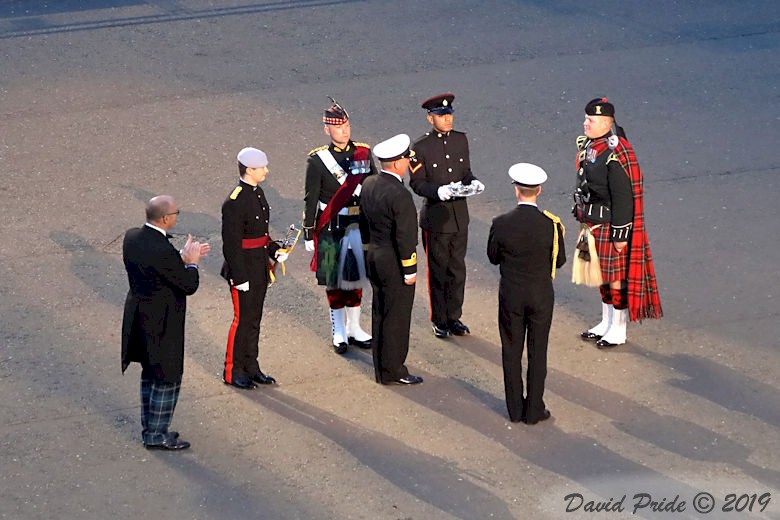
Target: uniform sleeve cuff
x=621, y=233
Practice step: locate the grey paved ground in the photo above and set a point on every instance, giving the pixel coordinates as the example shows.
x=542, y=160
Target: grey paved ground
x=106, y=103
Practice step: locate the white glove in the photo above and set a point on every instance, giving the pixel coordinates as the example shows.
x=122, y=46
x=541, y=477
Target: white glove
x=281, y=256
x=244, y=287
x=478, y=185
x=444, y=192
x=309, y=244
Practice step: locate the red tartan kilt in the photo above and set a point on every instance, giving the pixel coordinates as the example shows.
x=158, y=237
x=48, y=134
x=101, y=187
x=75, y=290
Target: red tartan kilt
x=614, y=265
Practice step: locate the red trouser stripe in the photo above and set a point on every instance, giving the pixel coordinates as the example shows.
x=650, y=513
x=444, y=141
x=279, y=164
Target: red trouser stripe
x=232, y=336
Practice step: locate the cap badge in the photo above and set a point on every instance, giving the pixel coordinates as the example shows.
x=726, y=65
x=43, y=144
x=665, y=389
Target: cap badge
x=444, y=103
x=598, y=110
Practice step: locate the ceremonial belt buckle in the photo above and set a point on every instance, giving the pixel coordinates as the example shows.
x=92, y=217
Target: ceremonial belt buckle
x=353, y=210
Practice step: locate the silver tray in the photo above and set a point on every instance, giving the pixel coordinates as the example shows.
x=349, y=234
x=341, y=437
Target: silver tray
x=459, y=189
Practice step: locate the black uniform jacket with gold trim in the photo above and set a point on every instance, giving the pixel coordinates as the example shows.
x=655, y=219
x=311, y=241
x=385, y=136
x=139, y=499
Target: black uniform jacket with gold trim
x=441, y=159
x=389, y=225
x=608, y=187
x=245, y=214
x=521, y=242
x=321, y=185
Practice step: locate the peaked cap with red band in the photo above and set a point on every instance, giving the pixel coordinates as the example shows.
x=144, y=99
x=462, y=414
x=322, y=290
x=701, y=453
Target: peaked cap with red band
x=440, y=105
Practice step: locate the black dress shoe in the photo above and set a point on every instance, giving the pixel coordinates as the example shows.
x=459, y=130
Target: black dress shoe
x=262, y=379
x=440, y=331
x=588, y=335
x=406, y=380
x=242, y=382
x=457, y=328
x=605, y=344
x=170, y=443
x=340, y=348
x=360, y=344
x=545, y=415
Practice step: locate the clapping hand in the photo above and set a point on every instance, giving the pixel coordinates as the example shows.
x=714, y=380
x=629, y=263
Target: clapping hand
x=194, y=250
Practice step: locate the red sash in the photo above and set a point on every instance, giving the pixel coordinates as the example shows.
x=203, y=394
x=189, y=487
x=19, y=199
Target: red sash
x=254, y=243
x=338, y=201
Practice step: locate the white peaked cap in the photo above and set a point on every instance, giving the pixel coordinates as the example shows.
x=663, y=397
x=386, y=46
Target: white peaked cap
x=527, y=174
x=393, y=148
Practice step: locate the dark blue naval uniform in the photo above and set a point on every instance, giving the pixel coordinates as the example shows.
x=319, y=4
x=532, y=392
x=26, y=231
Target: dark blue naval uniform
x=389, y=227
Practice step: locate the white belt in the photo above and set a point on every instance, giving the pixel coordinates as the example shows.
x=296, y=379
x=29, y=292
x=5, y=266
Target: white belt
x=354, y=210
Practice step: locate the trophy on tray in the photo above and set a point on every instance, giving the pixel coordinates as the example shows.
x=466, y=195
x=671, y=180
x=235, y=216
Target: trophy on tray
x=458, y=189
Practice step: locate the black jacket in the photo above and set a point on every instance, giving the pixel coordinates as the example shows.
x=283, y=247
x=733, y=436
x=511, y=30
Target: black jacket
x=441, y=159
x=155, y=307
x=521, y=243
x=389, y=225
x=245, y=214
x=605, y=188
x=321, y=185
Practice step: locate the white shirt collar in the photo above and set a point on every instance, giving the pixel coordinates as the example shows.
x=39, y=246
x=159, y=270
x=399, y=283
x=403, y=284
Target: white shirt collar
x=527, y=204
x=158, y=229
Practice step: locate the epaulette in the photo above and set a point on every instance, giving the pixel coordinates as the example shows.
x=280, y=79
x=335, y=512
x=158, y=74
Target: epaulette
x=319, y=148
x=236, y=192
x=364, y=145
x=613, y=157
x=581, y=142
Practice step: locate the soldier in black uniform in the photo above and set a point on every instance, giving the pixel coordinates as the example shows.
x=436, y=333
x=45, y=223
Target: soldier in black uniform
x=247, y=249
x=334, y=178
x=528, y=245
x=389, y=221
x=442, y=158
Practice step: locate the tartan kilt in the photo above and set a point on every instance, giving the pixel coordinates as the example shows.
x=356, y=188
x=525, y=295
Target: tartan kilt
x=335, y=268
x=614, y=265
x=328, y=250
